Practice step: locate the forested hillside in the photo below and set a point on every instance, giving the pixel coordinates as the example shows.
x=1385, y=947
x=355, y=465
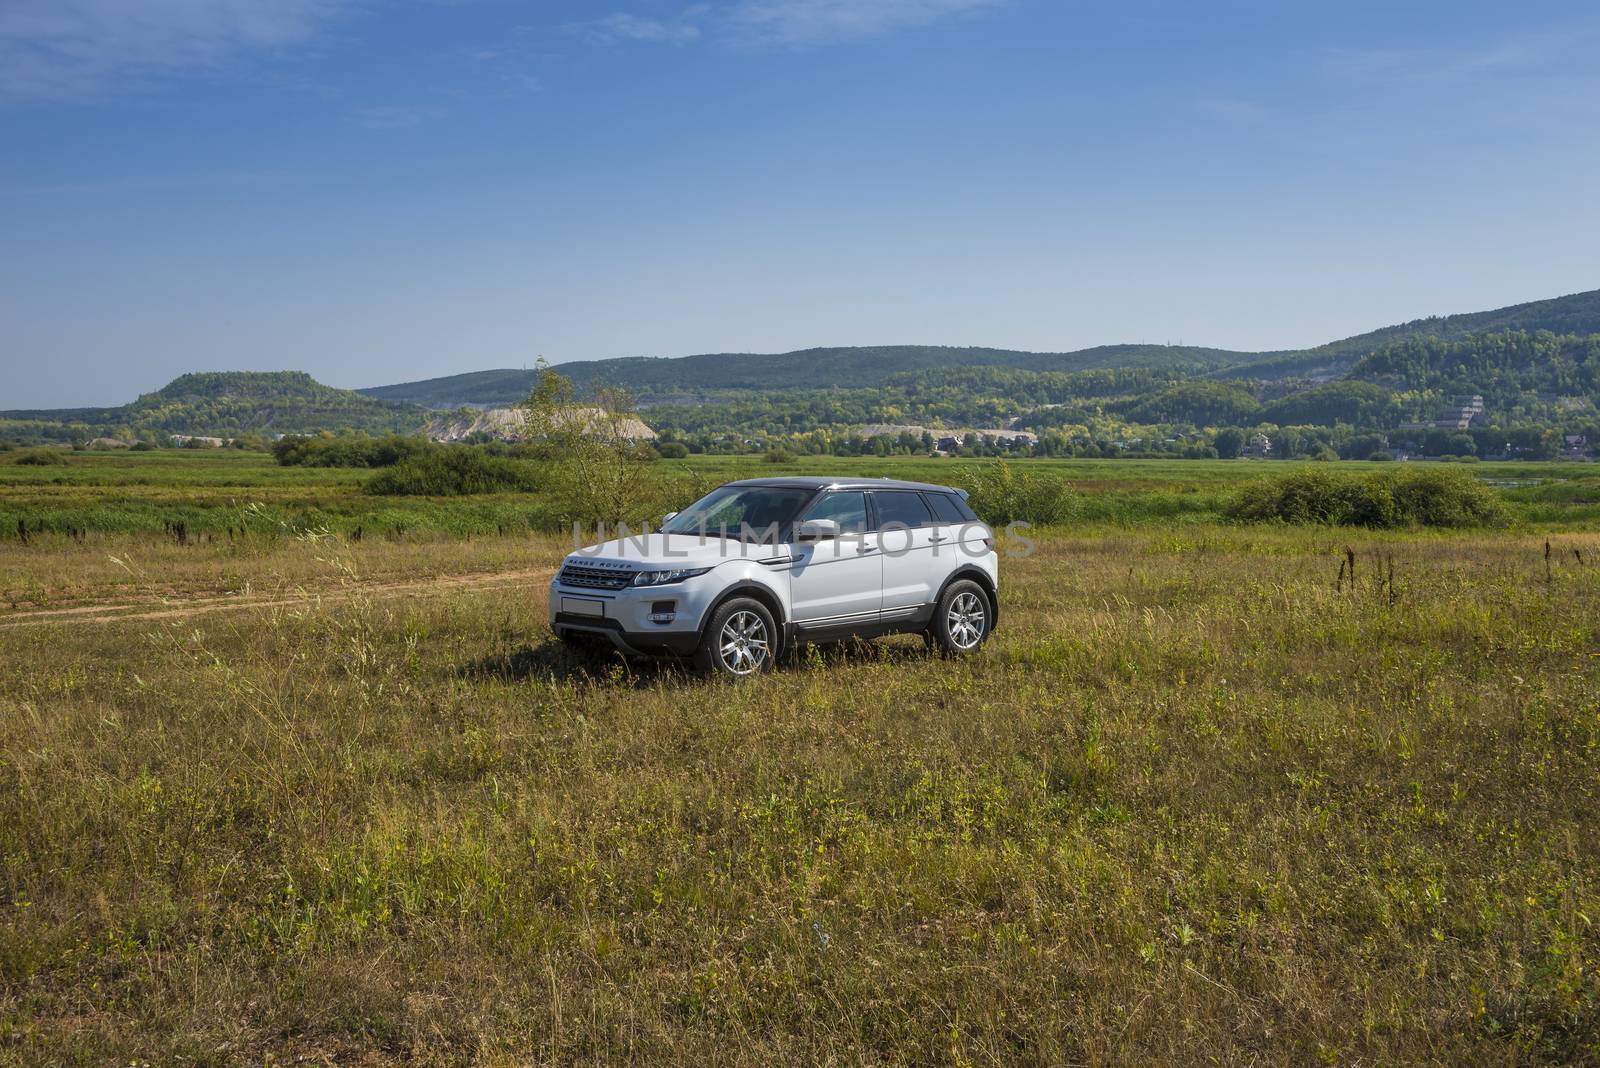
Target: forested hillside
x=1577, y=313
x=1502, y=367
x=226, y=404
x=845, y=368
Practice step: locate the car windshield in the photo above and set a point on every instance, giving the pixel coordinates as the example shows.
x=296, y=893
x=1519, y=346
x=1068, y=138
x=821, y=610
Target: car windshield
x=744, y=513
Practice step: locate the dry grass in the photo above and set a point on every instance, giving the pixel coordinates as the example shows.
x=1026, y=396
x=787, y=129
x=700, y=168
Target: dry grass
x=1191, y=804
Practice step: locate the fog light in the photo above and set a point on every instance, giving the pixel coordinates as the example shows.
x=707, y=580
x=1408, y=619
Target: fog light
x=663, y=611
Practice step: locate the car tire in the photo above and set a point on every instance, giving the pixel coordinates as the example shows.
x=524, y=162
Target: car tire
x=741, y=640
x=962, y=619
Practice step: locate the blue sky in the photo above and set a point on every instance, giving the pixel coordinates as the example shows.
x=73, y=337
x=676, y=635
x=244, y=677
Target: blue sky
x=381, y=190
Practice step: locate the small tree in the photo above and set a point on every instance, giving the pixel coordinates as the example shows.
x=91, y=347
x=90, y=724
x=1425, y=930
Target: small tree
x=1229, y=442
x=595, y=464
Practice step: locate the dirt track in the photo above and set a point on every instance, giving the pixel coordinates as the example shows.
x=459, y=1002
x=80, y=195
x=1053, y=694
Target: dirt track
x=167, y=608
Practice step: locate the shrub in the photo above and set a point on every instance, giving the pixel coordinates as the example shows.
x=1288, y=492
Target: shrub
x=1443, y=497
x=779, y=455
x=453, y=471
x=1001, y=494
x=1430, y=498
x=672, y=450
x=40, y=458
x=348, y=450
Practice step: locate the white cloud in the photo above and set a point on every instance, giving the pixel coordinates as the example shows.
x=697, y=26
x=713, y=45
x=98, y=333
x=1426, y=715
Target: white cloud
x=796, y=23
x=779, y=23
x=1535, y=53
x=394, y=116
x=76, y=49
x=625, y=27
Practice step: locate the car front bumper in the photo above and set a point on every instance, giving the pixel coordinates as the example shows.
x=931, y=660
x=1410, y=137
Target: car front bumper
x=639, y=620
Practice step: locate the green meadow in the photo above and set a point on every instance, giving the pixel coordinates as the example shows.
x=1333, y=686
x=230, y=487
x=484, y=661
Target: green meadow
x=287, y=796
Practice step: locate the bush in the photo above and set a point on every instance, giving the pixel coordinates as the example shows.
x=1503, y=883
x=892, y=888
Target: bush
x=1431, y=498
x=1002, y=495
x=672, y=450
x=1446, y=498
x=779, y=455
x=40, y=458
x=454, y=471
x=348, y=450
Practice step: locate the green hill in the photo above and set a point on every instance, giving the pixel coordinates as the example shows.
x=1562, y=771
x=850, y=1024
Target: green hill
x=1576, y=313
x=228, y=403
x=869, y=366
x=841, y=368
x=476, y=389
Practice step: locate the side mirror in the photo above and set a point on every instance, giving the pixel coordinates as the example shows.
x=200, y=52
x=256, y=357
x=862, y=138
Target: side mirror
x=817, y=530
x=668, y=517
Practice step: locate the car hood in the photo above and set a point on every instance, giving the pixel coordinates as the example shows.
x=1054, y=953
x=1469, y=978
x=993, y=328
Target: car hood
x=673, y=550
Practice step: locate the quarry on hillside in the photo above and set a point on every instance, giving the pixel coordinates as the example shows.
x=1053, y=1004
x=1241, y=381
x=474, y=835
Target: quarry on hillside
x=510, y=424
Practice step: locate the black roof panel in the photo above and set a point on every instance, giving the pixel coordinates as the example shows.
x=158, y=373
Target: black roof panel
x=844, y=482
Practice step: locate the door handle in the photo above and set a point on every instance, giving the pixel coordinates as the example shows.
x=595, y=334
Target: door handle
x=937, y=538
x=867, y=549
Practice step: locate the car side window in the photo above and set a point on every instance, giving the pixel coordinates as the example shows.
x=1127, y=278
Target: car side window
x=944, y=509
x=901, y=508
x=847, y=509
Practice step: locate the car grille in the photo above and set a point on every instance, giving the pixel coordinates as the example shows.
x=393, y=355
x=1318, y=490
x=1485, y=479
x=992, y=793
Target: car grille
x=595, y=578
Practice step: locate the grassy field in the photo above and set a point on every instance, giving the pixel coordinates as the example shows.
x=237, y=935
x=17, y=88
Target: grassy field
x=212, y=492
x=289, y=798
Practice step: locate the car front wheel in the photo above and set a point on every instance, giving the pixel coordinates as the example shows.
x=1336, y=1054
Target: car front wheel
x=742, y=639
x=962, y=620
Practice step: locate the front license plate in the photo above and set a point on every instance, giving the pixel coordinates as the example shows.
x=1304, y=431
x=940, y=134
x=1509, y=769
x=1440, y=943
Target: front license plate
x=582, y=606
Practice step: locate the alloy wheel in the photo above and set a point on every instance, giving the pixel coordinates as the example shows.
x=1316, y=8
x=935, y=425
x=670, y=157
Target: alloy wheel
x=965, y=620
x=743, y=643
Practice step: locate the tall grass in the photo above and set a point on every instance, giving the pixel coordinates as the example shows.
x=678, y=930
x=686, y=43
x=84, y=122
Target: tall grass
x=349, y=450
x=454, y=472
x=1005, y=492
x=1192, y=802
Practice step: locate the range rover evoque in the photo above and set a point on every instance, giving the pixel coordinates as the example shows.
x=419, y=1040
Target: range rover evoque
x=759, y=566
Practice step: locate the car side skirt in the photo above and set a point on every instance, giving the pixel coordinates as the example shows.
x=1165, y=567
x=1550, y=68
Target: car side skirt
x=839, y=628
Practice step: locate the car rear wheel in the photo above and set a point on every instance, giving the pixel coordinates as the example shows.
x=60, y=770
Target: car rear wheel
x=742, y=639
x=962, y=620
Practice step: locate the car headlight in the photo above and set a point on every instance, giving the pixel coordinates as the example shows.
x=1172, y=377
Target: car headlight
x=662, y=578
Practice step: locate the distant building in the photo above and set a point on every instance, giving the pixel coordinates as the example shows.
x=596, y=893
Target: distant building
x=945, y=440
x=1459, y=415
x=1258, y=447
x=1576, y=447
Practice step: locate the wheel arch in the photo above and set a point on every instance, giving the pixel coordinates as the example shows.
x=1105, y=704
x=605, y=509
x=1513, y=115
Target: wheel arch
x=984, y=581
x=755, y=591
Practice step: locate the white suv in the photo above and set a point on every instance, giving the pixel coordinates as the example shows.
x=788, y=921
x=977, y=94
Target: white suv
x=755, y=567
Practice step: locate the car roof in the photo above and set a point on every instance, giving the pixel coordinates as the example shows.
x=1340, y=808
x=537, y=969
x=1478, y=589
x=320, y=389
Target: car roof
x=816, y=482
